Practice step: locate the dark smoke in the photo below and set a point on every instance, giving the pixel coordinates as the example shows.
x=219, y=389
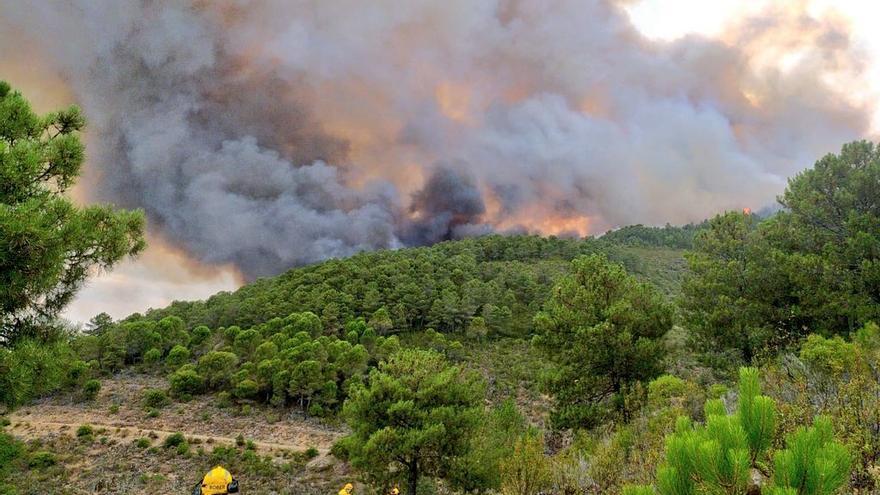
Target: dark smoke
x=227, y=159
x=449, y=206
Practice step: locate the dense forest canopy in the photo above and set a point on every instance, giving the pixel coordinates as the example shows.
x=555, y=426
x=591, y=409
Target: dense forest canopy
x=504, y=279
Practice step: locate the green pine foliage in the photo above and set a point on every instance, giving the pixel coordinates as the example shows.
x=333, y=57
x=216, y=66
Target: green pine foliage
x=603, y=329
x=502, y=279
x=724, y=454
x=48, y=245
x=755, y=287
x=413, y=418
x=813, y=463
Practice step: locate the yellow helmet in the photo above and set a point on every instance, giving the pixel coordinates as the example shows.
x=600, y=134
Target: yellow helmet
x=395, y=491
x=218, y=481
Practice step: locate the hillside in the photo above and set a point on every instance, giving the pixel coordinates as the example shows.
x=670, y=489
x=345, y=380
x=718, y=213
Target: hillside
x=470, y=277
x=503, y=280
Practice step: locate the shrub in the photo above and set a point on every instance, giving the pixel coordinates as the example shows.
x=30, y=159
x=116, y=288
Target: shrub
x=114, y=409
x=264, y=351
x=311, y=453
x=177, y=356
x=246, y=389
x=223, y=400
x=153, y=413
x=85, y=431
x=231, y=333
x=155, y=398
x=527, y=470
x=217, y=367
x=32, y=369
x=719, y=456
x=812, y=461
x=199, y=335
x=10, y=449
x=246, y=342
x=78, y=372
x=174, y=440
x=153, y=356
x=183, y=449
x=91, y=389
x=42, y=459
x=186, y=382
x=832, y=356
x=142, y=442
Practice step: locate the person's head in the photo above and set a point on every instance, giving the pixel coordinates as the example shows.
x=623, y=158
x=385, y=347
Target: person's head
x=218, y=481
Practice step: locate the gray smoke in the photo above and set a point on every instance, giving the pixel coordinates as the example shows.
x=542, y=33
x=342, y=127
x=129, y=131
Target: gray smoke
x=449, y=206
x=273, y=133
x=227, y=160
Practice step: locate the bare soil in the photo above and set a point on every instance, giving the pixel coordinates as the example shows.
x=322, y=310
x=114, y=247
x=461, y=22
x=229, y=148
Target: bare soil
x=111, y=463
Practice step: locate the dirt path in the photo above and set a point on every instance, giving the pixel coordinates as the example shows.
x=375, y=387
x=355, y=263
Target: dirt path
x=199, y=420
x=33, y=427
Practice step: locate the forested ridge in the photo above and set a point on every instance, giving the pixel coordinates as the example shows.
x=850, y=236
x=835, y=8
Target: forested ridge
x=505, y=279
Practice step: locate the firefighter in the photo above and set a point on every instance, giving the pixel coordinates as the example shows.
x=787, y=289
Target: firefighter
x=217, y=481
x=346, y=490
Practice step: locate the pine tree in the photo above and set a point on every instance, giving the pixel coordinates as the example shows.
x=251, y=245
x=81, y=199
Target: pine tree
x=720, y=456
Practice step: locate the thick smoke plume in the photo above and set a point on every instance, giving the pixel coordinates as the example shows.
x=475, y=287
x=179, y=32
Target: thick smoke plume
x=272, y=133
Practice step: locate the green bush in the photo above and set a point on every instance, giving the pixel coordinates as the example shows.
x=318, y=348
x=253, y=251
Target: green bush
x=311, y=453
x=33, y=369
x=183, y=449
x=246, y=389
x=720, y=456
x=42, y=459
x=217, y=367
x=174, y=440
x=832, y=356
x=85, y=431
x=223, y=400
x=78, y=372
x=155, y=398
x=199, y=335
x=813, y=463
x=177, y=356
x=10, y=449
x=142, y=442
x=527, y=471
x=91, y=389
x=153, y=356
x=186, y=382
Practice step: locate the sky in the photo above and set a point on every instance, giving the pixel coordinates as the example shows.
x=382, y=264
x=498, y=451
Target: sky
x=261, y=135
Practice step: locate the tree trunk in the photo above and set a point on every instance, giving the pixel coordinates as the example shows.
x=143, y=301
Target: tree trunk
x=413, y=477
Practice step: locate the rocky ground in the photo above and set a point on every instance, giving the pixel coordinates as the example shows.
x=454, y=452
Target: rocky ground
x=268, y=449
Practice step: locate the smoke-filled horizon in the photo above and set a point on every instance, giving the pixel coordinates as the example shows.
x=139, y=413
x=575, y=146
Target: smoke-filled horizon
x=277, y=133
